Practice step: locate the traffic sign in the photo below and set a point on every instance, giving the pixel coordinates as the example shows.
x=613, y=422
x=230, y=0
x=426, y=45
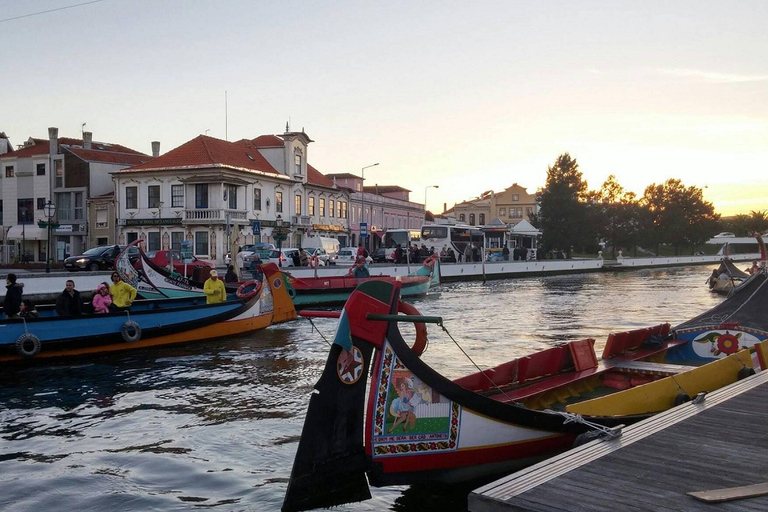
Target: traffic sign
x=256, y=228
x=364, y=229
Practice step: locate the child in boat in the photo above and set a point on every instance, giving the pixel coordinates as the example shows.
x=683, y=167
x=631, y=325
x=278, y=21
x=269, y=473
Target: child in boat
x=102, y=299
x=27, y=310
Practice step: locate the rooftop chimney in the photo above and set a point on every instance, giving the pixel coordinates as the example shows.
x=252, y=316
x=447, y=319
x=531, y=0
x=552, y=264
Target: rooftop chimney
x=155, y=148
x=87, y=139
x=53, y=140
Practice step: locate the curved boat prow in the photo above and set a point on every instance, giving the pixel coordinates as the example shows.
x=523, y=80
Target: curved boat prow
x=282, y=303
x=330, y=464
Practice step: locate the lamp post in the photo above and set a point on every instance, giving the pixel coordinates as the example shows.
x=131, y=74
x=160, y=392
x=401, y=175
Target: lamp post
x=279, y=233
x=362, y=201
x=425, y=197
x=50, y=209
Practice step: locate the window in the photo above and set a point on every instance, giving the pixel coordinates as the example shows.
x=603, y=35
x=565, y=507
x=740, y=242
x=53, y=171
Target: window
x=502, y=212
x=529, y=212
x=153, y=241
x=26, y=211
x=321, y=211
x=131, y=198
x=177, y=196
x=231, y=191
x=1, y=212
x=515, y=213
x=342, y=209
x=131, y=236
x=515, y=197
x=257, y=199
x=311, y=206
x=59, y=166
x=297, y=204
x=471, y=219
x=201, y=243
x=78, y=205
x=201, y=198
x=40, y=203
x=41, y=169
x=102, y=240
x=297, y=162
x=482, y=219
x=153, y=197
x=331, y=209
x=64, y=206
x=462, y=218
x=279, y=202
x=9, y=171
x=101, y=219
x=176, y=239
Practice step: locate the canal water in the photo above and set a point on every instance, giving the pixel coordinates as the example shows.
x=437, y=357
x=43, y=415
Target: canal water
x=215, y=425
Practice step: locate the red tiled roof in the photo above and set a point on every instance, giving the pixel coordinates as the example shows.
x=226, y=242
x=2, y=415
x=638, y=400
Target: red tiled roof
x=315, y=177
x=204, y=151
x=382, y=189
x=41, y=147
x=342, y=175
x=268, y=141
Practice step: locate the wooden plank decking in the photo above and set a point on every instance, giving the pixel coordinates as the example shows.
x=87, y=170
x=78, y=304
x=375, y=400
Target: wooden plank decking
x=719, y=443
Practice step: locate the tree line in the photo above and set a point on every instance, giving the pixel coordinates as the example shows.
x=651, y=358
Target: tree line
x=574, y=218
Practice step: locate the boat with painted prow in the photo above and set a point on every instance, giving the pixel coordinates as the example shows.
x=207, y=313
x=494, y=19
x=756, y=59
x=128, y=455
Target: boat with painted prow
x=416, y=426
x=148, y=323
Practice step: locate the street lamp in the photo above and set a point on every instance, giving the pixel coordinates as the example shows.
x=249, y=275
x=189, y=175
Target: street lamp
x=425, y=197
x=23, y=232
x=50, y=209
x=362, y=220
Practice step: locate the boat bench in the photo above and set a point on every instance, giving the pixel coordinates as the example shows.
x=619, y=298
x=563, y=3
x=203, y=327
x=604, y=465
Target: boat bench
x=647, y=368
x=620, y=342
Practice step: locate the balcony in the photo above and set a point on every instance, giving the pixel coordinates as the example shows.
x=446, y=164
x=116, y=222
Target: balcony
x=301, y=220
x=214, y=216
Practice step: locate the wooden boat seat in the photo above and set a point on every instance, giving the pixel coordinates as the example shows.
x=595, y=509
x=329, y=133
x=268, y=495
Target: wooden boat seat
x=620, y=342
x=648, y=368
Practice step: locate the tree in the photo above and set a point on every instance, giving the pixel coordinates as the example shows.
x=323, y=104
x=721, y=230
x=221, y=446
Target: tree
x=618, y=217
x=562, y=206
x=679, y=215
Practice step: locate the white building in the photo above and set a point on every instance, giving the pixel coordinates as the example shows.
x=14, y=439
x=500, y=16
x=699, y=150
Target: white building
x=195, y=191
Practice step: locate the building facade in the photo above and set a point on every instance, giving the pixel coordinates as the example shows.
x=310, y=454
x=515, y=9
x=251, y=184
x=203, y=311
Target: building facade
x=510, y=206
x=65, y=171
x=217, y=195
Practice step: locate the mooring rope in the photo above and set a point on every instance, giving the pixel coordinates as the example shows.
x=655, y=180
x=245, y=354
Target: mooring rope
x=315, y=328
x=609, y=432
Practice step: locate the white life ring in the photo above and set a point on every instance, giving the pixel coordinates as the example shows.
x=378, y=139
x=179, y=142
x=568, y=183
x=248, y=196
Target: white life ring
x=23, y=342
x=130, y=331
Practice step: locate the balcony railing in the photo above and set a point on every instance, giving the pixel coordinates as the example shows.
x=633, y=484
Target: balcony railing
x=214, y=215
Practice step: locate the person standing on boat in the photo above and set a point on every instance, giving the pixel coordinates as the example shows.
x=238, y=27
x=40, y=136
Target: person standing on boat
x=12, y=302
x=102, y=299
x=123, y=294
x=68, y=303
x=230, y=276
x=505, y=253
x=214, y=289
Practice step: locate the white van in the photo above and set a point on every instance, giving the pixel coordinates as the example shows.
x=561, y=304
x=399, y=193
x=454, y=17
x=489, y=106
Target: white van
x=331, y=245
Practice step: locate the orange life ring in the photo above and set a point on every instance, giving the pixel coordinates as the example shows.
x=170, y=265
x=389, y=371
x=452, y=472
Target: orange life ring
x=243, y=294
x=314, y=262
x=420, y=345
x=430, y=262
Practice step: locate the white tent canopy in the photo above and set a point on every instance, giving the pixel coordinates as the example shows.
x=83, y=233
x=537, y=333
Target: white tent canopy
x=26, y=232
x=524, y=228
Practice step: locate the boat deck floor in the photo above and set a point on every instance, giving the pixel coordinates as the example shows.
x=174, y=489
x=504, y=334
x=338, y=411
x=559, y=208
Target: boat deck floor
x=721, y=442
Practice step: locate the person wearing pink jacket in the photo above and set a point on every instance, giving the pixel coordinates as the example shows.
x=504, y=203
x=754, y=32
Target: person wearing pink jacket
x=102, y=299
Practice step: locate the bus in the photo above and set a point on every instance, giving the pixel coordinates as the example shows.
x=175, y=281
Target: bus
x=402, y=237
x=453, y=238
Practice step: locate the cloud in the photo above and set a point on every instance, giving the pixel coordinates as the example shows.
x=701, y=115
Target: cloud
x=722, y=78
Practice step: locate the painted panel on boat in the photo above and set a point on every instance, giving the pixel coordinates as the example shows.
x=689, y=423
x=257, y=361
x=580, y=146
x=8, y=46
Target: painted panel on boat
x=708, y=344
x=411, y=416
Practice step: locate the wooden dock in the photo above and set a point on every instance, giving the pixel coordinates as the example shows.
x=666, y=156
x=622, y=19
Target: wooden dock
x=719, y=443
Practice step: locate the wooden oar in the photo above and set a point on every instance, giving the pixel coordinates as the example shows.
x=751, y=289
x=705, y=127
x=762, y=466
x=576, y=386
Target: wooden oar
x=731, y=493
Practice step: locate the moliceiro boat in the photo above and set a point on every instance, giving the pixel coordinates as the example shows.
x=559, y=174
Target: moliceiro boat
x=416, y=426
x=325, y=291
x=148, y=323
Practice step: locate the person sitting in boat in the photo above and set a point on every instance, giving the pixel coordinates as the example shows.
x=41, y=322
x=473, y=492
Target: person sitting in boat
x=360, y=268
x=303, y=257
x=101, y=299
x=12, y=302
x=123, y=294
x=712, y=279
x=254, y=267
x=28, y=310
x=68, y=303
x=214, y=289
x=230, y=276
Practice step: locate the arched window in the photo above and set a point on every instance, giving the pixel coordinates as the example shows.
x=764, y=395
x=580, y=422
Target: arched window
x=482, y=219
x=471, y=219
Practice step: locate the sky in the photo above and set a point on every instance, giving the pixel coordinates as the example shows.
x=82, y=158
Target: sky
x=468, y=96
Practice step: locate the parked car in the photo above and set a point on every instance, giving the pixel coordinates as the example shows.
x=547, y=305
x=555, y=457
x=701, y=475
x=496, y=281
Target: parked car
x=283, y=257
x=184, y=266
x=247, y=252
x=383, y=255
x=321, y=254
x=99, y=258
x=345, y=256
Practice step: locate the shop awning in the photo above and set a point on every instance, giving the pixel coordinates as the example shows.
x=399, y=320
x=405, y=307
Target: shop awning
x=26, y=232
